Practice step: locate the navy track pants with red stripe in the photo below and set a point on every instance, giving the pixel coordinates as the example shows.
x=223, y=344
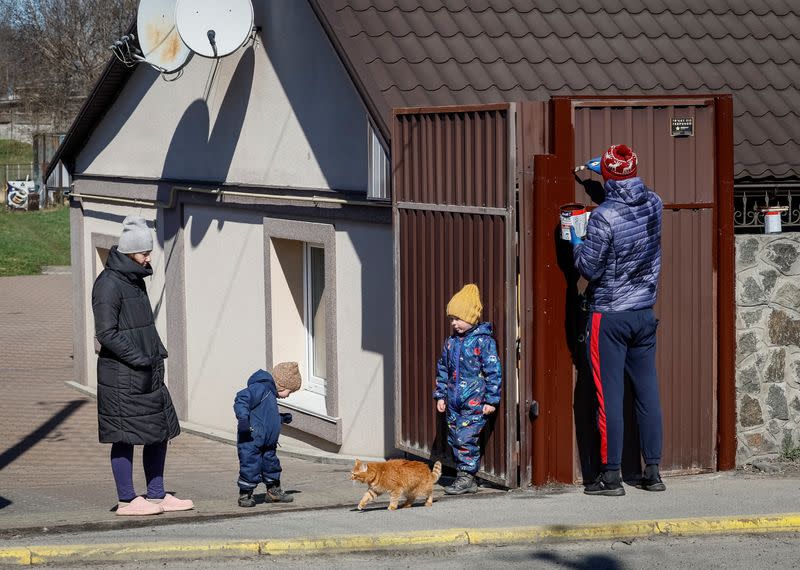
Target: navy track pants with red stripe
x=625, y=343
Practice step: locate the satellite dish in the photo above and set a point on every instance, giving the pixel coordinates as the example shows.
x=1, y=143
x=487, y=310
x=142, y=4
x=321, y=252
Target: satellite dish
x=159, y=39
x=214, y=28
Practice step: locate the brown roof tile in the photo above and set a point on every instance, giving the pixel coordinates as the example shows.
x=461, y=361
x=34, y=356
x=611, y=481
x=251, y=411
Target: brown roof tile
x=443, y=52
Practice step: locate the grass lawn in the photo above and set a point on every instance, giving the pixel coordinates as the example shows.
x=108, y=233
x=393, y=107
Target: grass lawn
x=15, y=152
x=30, y=240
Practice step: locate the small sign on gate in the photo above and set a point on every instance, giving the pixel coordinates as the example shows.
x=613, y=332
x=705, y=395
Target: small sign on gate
x=682, y=126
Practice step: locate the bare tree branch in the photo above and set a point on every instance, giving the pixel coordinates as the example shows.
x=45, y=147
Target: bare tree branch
x=52, y=51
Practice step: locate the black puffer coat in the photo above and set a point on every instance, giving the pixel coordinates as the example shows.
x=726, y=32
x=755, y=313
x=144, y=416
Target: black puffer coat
x=133, y=403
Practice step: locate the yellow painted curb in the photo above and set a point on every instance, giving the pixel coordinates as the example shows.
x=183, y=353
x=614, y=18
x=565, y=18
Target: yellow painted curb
x=51, y=554
x=638, y=529
x=17, y=556
x=421, y=539
x=439, y=538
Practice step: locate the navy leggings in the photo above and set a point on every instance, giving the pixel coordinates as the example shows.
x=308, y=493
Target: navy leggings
x=153, y=457
x=618, y=344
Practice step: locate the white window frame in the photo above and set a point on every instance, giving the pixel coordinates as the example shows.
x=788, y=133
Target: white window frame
x=314, y=383
x=378, y=167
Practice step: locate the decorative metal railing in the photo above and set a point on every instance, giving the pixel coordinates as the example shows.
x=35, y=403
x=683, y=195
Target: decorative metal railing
x=751, y=199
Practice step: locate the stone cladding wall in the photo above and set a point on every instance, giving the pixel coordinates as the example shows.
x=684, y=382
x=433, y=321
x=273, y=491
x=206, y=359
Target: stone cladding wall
x=767, y=345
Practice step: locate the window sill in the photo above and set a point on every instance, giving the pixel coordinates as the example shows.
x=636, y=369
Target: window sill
x=313, y=422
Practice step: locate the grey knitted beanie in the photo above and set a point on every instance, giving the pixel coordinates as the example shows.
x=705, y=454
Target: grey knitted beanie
x=136, y=236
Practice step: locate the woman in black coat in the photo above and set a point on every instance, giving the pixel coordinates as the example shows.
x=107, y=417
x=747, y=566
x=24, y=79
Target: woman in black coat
x=133, y=404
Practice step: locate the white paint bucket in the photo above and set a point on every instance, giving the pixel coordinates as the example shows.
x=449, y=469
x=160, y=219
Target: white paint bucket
x=573, y=216
x=772, y=220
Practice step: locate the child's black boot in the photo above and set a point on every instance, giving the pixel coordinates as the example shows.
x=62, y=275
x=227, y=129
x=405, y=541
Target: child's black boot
x=246, y=498
x=464, y=483
x=277, y=495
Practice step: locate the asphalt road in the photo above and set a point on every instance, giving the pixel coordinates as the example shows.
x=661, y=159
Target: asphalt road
x=750, y=552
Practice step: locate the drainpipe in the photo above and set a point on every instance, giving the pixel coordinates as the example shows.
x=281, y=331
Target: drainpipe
x=221, y=192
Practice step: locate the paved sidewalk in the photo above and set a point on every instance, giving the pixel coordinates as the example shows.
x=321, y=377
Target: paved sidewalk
x=56, y=489
x=53, y=472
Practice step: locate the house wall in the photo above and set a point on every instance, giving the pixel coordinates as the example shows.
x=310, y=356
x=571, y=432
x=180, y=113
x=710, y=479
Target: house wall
x=281, y=112
x=282, y=115
x=768, y=345
x=229, y=329
x=225, y=326
x=366, y=335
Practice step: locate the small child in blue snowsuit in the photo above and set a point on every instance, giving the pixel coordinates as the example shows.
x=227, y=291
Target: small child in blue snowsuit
x=468, y=382
x=259, y=425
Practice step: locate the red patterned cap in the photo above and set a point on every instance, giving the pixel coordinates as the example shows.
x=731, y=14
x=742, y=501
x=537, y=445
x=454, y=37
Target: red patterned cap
x=619, y=162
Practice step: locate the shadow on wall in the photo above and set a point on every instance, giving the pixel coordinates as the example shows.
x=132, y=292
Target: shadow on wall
x=322, y=97
x=132, y=96
x=201, y=151
x=377, y=311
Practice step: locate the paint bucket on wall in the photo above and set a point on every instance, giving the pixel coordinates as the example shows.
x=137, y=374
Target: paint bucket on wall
x=772, y=219
x=573, y=216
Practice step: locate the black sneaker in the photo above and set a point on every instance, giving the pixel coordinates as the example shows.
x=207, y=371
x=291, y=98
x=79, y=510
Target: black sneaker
x=276, y=495
x=651, y=480
x=608, y=483
x=246, y=499
x=464, y=483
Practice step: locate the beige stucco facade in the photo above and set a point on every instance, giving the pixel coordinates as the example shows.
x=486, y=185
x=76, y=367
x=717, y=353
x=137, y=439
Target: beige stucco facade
x=267, y=125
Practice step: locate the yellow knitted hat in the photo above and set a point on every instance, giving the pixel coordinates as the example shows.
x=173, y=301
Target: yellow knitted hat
x=466, y=304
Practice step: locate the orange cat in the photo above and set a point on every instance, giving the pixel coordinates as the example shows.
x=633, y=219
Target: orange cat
x=411, y=479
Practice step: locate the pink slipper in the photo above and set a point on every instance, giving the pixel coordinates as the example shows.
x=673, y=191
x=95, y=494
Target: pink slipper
x=171, y=503
x=139, y=507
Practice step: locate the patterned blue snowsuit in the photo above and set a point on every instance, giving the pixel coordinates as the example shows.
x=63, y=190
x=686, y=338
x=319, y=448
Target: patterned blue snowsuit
x=256, y=448
x=468, y=376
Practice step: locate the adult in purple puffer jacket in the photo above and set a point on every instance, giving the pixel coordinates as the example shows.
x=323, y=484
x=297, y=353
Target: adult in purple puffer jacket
x=621, y=259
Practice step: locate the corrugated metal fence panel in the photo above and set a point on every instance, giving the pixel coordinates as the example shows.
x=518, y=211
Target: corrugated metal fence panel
x=680, y=169
x=686, y=353
x=439, y=252
x=532, y=137
x=458, y=158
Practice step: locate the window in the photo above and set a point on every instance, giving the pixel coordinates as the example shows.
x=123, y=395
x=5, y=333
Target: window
x=378, y=174
x=316, y=351
x=301, y=317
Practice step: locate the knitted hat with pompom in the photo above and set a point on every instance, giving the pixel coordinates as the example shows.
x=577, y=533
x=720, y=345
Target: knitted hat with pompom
x=619, y=162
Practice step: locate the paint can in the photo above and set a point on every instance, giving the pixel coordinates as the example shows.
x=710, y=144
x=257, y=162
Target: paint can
x=573, y=216
x=772, y=219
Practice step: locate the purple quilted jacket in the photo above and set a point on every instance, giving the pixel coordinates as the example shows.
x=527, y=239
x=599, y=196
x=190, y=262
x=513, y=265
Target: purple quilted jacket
x=621, y=255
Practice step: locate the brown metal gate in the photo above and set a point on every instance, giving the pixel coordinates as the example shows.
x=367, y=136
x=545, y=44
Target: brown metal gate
x=454, y=223
x=693, y=175
x=681, y=170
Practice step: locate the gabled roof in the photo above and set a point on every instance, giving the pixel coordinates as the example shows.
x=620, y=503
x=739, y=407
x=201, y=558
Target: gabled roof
x=405, y=53
x=402, y=53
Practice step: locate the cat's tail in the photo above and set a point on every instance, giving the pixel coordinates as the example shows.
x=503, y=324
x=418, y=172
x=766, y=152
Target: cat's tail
x=436, y=472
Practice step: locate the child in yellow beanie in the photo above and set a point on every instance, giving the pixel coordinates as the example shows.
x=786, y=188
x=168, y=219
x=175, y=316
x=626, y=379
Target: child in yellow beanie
x=468, y=378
